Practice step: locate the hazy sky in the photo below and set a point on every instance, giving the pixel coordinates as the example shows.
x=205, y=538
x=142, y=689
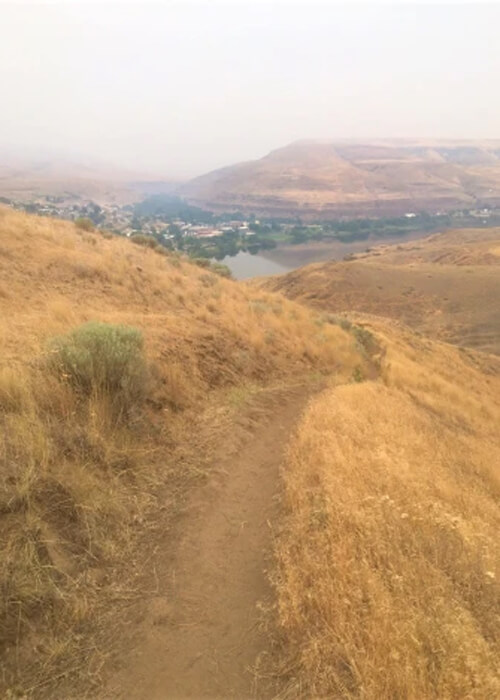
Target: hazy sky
x=178, y=88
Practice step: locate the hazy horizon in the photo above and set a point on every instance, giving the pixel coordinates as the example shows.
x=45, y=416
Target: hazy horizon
x=177, y=89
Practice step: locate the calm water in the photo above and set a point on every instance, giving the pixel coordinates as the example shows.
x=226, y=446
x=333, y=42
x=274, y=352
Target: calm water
x=289, y=257
x=244, y=265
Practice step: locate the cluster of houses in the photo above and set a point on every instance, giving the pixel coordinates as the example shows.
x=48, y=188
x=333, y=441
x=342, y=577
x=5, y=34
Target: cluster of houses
x=169, y=229
x=121, y=219
x=206, y=231
x=112, y=216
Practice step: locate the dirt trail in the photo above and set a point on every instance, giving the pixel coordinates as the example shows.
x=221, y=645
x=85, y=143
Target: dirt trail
x=200, y=636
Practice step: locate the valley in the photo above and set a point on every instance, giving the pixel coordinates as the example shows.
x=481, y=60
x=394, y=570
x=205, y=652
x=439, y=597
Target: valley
x=273, y=501
x=388, y=190
x=249, y=351
x=288, y=256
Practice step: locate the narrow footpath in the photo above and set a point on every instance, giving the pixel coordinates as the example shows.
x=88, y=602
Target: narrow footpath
x=201, y=636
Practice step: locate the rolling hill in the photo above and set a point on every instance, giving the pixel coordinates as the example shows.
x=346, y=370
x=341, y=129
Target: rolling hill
x=164, y=429
x=83, y=460
x=388, y=483
x=70, y=180
x=446, y=286
x=387, y=557
x=317, y=180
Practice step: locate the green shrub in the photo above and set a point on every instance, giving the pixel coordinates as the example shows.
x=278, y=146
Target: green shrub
x=357, y=375
x=216, y=267
x=149, y=242
x=345, y=324
x=103, y=358
x=202, y=262
x=221, y=270
x=146, y=241
x=363, y=336
x=84, y=223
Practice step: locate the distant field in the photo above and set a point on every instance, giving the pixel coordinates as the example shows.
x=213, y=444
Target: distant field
x=446, y=286
x=26, y=180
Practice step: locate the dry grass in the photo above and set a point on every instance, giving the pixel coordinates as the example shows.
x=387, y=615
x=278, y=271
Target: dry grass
x=75, y=480
x=65, y=277
x=326, y=180
x=388, y=564
x=446, y=286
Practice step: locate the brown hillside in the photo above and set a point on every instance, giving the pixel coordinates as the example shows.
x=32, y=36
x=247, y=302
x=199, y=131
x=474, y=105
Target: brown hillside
x=80, y=472
x=26, y=179
x=327, y=179
x=138, y=505
x=446, y=286
x=388, y=560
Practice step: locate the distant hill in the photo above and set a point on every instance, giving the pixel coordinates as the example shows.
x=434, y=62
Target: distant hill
x=28, y=178
x=446, y=286
x=347, y=178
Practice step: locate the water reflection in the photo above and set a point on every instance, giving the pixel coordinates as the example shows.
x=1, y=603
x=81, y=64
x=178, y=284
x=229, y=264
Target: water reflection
x=245, y=265
x=288, y=257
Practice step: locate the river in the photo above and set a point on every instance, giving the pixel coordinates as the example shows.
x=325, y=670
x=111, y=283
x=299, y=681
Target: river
x=288, y=257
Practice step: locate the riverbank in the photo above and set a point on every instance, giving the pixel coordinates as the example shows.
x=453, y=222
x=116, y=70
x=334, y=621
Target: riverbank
x=288, y=257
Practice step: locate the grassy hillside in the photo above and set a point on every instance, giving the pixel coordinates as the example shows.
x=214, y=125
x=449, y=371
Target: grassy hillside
x=83, y=454
x=122, y=366
x=314, y=179
x=446, y=286
x=388, y=563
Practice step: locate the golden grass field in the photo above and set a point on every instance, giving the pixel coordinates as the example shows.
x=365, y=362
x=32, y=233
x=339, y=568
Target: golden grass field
x=446, y=286
x=386, y=574
x=388, y=562
x=75, y=482
x=388, y=559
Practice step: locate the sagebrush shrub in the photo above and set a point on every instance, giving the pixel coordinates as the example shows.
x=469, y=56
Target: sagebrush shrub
x=201, y=262
x=84, y=223
x=221, y=269
x=149, y=242
x=144, y=240
x=103, y=358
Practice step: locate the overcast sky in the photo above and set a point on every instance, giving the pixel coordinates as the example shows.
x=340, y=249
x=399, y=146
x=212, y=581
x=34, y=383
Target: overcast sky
x=179, y=88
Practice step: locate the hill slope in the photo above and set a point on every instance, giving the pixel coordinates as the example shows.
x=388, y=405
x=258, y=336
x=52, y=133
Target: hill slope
x=379, y=178
x=83, y=462
x=136, y=501
x=388, y=561
x=446, y=286
x=25, y=179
